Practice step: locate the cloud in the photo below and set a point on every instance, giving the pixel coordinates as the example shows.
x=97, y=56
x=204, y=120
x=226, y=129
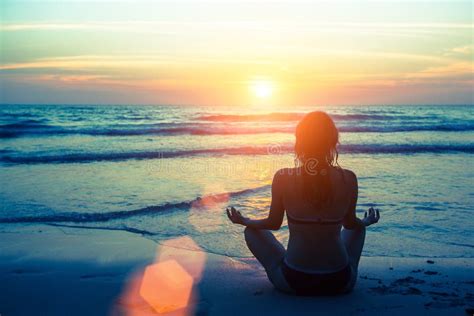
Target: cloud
x=119, y=26
x=141, y=61
x=74, y=79
x=454, y=70
x=463, y=50
x=151, y=60
x=89, y=61
x=170, y=27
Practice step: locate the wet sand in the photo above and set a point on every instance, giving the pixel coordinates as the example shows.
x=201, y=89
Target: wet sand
x=50, y=270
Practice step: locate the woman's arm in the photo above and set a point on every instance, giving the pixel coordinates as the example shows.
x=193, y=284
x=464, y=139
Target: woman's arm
x=350, y=220
x=277, y=210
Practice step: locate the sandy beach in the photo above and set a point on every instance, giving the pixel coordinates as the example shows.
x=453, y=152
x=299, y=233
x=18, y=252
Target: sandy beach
x=50, y=270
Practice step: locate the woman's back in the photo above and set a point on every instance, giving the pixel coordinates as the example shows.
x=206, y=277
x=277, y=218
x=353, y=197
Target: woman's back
x=315, y=243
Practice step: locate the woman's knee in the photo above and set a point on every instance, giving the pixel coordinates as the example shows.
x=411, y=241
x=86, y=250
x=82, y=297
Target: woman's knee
x=258, y=238
x=249, y=234
x=279, y=282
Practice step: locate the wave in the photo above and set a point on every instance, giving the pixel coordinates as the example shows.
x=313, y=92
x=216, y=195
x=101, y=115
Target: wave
x=409, y=128
x=75, y=217
x=17, y=115
x=284, y=117
x=121, y=228
x=30, y=126
x=248, y=151
x=15, y=130
x=406, y=149
x=26, y=124
x=19, y=130
x=7, y=134
x=268, y=117
x=113, y=156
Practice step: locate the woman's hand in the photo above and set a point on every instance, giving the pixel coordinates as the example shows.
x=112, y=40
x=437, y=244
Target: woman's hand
x=371, y=216
x=235, y=216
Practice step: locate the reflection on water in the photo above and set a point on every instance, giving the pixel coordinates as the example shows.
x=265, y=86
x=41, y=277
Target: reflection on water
x=204, y=213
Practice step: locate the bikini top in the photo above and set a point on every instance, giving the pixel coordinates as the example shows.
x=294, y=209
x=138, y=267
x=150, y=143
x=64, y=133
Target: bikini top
x=318, y=221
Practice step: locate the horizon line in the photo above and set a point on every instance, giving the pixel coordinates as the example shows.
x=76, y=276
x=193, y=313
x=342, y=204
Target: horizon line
x=230, y=105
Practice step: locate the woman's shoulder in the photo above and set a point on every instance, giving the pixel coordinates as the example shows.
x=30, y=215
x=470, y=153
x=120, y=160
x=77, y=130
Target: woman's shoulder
x=285, y=172
x=349, y=174
x=350, y=178
x=283, y=175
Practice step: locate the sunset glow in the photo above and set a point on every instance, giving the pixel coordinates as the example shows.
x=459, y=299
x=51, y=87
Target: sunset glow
x=205, y=53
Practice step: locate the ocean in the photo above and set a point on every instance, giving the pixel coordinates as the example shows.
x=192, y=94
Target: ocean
x=169, y=171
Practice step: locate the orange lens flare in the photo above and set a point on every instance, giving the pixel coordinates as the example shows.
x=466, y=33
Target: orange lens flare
x=166, y=286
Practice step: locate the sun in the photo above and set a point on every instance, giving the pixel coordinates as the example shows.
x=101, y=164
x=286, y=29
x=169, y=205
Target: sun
x=263, y=89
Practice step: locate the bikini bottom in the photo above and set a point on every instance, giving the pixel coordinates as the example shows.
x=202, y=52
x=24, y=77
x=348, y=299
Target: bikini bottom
x=307, y=284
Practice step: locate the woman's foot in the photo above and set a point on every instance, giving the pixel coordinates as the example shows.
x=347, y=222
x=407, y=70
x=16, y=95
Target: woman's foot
x=371, y=217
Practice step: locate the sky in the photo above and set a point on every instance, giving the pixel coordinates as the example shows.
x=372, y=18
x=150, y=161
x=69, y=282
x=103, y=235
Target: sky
x=265, y=53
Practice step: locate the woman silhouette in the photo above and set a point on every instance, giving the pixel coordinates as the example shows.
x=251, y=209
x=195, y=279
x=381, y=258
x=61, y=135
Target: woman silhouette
x=319, y=198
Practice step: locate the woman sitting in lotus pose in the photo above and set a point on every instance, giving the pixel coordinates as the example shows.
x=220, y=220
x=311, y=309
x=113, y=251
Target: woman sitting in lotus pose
x=319, y=197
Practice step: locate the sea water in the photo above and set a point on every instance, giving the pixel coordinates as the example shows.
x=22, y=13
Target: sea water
x=167, y=171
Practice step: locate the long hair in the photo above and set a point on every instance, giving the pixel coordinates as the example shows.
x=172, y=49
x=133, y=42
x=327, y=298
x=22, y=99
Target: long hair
x=315, y=149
